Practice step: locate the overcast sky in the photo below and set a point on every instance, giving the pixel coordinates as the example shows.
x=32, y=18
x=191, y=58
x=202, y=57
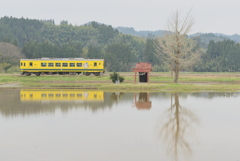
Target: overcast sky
x=217, y=16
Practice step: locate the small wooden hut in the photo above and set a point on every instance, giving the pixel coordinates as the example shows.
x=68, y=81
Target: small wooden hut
x=143, y=70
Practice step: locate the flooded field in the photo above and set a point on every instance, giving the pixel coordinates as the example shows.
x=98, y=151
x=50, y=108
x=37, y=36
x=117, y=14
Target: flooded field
x=81, y=125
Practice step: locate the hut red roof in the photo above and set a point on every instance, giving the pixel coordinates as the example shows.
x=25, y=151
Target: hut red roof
x=143, y=67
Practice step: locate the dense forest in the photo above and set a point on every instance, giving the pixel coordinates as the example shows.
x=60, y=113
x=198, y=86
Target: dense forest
x=43, y=38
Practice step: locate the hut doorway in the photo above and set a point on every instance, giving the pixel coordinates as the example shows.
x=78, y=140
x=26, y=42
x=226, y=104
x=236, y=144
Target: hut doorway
x=143, y=77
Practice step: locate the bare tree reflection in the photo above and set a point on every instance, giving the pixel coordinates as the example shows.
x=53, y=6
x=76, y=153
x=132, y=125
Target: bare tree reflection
x=173, y=132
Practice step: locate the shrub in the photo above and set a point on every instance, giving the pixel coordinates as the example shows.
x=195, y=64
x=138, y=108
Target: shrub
x=116, y=76
x=13, y=69
x=2, y=69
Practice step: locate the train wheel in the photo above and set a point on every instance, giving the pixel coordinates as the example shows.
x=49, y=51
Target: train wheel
x=87, y=73
x=28, y=74
x=96, y=73
x=37, y=74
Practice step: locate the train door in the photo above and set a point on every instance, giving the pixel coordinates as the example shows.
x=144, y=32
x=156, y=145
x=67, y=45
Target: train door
x=30, y=66
x=95, y=65
x=90, y=65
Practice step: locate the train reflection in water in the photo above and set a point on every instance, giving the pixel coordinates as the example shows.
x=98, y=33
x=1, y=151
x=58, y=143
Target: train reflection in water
x=60, y=95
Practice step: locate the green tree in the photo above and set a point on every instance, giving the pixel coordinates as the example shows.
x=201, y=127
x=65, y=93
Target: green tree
x=94, y=52
x=117, y=55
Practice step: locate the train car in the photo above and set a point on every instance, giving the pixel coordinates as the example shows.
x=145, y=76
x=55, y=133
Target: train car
x=61, y=66
x=60, y=95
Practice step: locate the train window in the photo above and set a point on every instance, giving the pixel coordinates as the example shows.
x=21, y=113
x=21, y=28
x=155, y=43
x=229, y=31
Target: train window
x=50, y=95
x=72, y=64
x=72, y=95
x=65, y=95
x=43, y=64
x=99, y=63
x=57, y=64
x=58, y=95
x=79, y=64
x=95, y=64
x=44, y=95
x=30, y=64
x=65, y=64
x=95, y=95
x=21, y=64
x=24, y=64
x=50, y=64
x=79, y=95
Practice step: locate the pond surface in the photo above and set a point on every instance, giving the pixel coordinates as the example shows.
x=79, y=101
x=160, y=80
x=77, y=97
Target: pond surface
x=81, y=125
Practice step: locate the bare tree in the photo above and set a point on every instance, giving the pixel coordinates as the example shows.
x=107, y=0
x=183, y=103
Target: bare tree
x=177, y=127
x=175, y=48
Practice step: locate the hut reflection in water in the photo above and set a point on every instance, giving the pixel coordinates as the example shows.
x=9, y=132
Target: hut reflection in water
x=143, y=101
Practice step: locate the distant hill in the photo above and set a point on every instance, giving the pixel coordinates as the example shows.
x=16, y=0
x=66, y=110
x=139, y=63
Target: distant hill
x=205, y=37
x=133, y=32
x=234, y=37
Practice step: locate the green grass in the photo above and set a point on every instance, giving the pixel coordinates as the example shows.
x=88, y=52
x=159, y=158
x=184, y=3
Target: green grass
x=194, y=82
x=140, y=87
x=8, y=78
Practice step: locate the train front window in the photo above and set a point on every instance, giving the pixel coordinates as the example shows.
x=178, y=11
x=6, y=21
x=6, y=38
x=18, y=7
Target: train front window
x=65, y=64
x=21, y=64
x=72, y=64
x=79, y=64
x=24, y=64
x=50, y=64
x=57, y=64
x=95, y=64
x=43, y=64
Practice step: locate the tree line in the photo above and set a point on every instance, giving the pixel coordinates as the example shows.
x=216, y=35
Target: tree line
x=43, y=38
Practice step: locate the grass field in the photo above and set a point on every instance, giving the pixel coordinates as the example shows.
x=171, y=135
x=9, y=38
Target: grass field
x=158, y=82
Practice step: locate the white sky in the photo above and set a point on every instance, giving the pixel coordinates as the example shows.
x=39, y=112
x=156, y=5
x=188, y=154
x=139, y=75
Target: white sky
x=217, y=16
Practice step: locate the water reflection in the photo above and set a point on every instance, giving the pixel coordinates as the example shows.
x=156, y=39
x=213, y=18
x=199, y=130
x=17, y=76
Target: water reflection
x=143, y=101
x=175, y=131
x=60, y=95
x=116, y=96
x=24, y=102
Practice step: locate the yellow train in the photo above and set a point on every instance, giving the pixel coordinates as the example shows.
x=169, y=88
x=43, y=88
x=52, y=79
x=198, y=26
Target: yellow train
x=61, y=66
x=60, y=95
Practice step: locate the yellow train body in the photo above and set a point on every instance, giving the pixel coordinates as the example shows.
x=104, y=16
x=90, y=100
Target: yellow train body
x=61, y=66
x=60, y=95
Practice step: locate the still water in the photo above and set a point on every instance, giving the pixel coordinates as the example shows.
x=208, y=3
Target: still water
x=60, y=125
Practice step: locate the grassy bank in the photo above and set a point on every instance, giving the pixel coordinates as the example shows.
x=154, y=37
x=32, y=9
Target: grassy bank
x=140, y=87
x=158, y=82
